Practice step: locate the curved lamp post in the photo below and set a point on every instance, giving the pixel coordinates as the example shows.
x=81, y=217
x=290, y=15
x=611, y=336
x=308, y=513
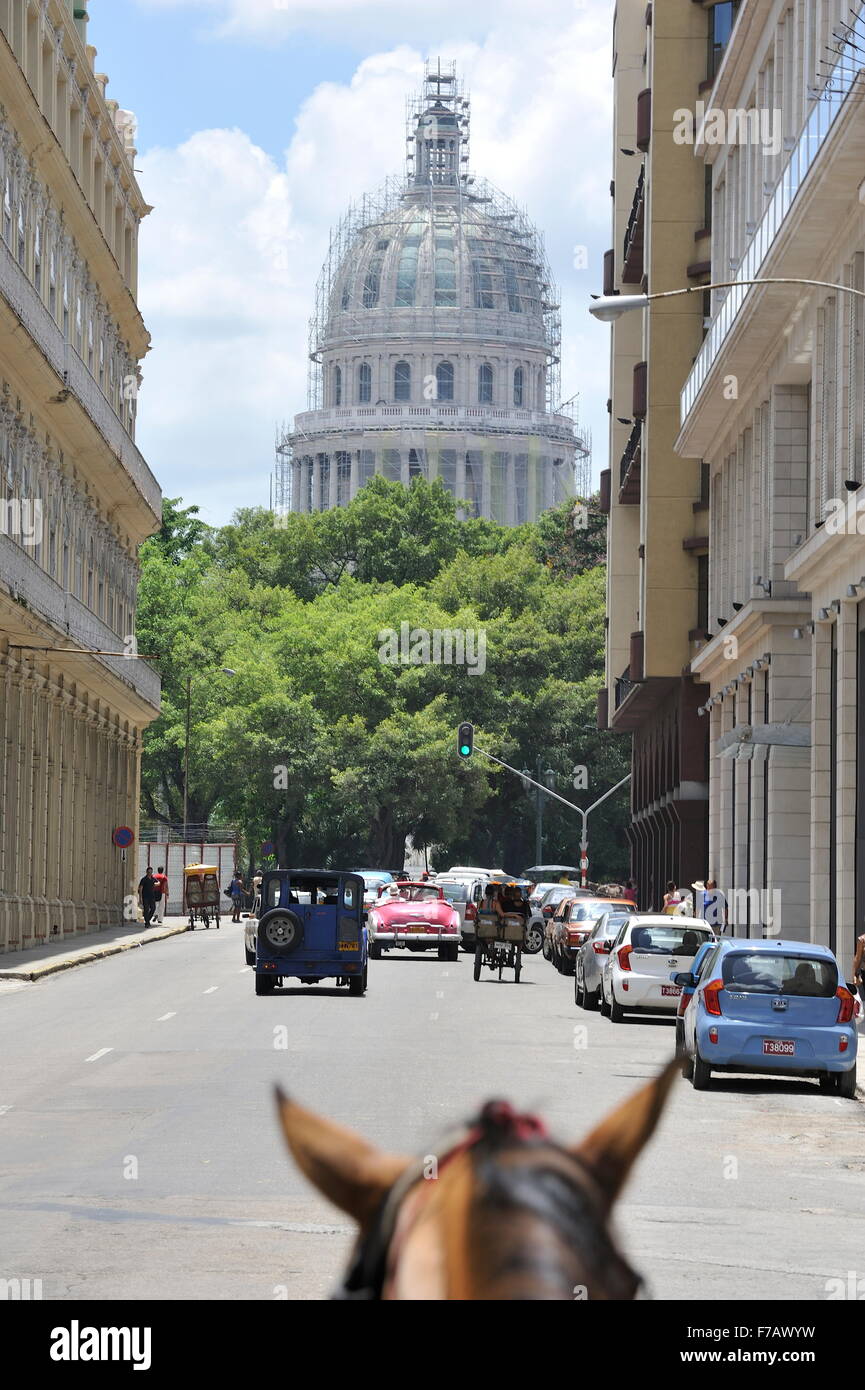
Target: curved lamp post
x=609, y=307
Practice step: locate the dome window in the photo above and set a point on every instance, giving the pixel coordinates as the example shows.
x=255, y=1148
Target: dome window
x=337, y=385
x=518, y=386
x=402, y=382
x=406, y=275
x=364, y=383
x=372, y=283
x=485, y=384
x=445, y=381
x=445, y=274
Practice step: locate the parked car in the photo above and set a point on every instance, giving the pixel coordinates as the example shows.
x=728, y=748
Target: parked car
x=537, y=892
x=552, y=907
x=591, y=957
x=414, y=917
x=688, y=981
x=576, y=924
x=779, y=1007
x=636, y=977
x=466, y=895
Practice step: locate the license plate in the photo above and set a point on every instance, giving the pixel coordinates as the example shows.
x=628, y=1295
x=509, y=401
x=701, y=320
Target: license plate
x=415, y=929
x=671, y=990
x=348, y=945
x=778, y=1047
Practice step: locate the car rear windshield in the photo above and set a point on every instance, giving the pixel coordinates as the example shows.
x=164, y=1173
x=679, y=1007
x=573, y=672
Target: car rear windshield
x=457, y=892
x=668, y=941
x=764, y=972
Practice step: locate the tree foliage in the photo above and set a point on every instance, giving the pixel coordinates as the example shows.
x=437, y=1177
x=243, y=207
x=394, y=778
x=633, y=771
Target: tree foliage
x=324, y=743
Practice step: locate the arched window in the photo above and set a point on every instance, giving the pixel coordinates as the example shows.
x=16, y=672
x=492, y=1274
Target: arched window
x=337, y=385
x=485, y=384
x=402, y=382
x=372, y=283
x=364, y=383
x=445, y=381
x=518, y=386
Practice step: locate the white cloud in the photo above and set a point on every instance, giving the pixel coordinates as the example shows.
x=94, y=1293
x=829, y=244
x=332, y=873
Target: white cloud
x=231, y=254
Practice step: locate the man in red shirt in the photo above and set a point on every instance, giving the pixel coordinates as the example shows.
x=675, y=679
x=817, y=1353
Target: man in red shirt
x=161, y=882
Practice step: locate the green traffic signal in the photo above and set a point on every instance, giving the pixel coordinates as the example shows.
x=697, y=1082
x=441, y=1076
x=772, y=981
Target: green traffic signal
x=466, y=740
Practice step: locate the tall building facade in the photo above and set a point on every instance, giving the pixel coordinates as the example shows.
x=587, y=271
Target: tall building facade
x=76, y=496
x=775, y=406
x=657, y=540
x=435, y=344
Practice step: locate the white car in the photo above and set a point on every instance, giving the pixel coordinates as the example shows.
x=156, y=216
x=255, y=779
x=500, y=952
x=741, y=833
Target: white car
x=648, y=949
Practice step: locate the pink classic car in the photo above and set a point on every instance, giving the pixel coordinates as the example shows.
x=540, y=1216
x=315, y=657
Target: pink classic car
x=414, y=917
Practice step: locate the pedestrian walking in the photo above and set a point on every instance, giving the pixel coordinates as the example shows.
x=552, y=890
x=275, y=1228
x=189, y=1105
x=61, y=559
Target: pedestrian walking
x=630, y=893
x=161, y=880
x=714, y=907
x=147, y=895
x=237, y=891
x=859, y=968
x=256, y=892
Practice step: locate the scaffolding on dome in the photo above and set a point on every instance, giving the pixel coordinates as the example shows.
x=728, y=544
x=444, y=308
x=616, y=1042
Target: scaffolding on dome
x=495, y=242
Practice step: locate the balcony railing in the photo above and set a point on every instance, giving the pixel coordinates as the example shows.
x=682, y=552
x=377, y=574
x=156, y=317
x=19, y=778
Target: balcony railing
x=25, y=302
x=477, y=419
x=632, y=269
x=29, y=583
x=624, y=686
x=629, y=467
x=813, y=137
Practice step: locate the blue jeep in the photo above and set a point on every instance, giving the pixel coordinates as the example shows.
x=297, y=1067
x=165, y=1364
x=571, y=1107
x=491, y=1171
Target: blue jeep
x=311, y=926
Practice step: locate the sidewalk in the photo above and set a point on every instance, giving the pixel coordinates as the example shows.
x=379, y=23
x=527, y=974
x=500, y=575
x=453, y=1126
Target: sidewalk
x=81, y=949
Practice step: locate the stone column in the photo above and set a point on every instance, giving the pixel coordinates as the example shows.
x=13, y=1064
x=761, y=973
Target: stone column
x=354, y=482
x=510, y=489
x=333, y=487
x=486, y=491
x=724, y=777
x=316, y=483
x=460, y=482
x=845, y=764
x=24, y=869
x=305, y=484
x=295, y=485
x=745, y=924
x=405, y=476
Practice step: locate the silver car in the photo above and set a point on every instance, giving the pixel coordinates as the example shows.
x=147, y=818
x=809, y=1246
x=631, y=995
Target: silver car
x=591, y=958
x=466, y=894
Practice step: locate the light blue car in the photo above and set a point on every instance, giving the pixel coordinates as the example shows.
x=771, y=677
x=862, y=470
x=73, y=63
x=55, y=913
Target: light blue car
x=780, y=1007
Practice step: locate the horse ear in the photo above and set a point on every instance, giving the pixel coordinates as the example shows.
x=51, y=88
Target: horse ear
x=612, y=1149
x=350, y=1172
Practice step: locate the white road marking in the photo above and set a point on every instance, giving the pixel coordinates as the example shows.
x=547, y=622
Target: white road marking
x=212, y=989
x=433, y=1018
x=166, y=1017
x=244, y=970
x=4, y=1109
x=101, y=1053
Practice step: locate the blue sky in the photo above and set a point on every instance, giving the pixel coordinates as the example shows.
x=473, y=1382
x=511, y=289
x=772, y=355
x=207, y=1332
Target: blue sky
x=259, y=120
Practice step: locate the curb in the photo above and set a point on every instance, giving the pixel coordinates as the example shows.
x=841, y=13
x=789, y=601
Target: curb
x=69, y=962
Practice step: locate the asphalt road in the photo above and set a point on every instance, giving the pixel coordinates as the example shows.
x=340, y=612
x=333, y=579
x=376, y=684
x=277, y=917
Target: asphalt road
x=139, y=1156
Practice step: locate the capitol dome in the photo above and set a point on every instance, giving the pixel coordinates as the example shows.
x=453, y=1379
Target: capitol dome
x=434, y=347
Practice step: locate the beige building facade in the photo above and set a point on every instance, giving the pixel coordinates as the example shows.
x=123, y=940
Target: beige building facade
x=657, y=535
x=774, y=405
x=76, y=496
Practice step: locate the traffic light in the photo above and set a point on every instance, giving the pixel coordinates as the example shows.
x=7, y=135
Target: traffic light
x=466, y=740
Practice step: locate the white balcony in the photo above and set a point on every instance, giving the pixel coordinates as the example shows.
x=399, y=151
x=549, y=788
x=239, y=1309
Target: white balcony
x=844, y=93
x=74, y=623
x=71, y=372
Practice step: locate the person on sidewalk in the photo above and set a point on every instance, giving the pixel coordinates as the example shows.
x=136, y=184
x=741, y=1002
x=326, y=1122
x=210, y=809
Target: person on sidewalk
x=161, y=880
x=237, y=892
x=630, y=893
x=859, y=968
x=672, y=900
x=147, y=895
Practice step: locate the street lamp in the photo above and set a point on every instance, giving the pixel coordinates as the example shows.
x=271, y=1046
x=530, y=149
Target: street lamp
x=609, y=307
x=226, y=671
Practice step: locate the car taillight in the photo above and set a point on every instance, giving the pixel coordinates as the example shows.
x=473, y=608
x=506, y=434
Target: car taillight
x=624, y=953
x=847, y=1002
x=471, y=912
x=710, y=997
x=600, y=948
x=684, y=1000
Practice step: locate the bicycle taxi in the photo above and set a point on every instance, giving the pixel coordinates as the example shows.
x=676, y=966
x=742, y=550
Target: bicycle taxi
x=500, y=937
x=201, y=894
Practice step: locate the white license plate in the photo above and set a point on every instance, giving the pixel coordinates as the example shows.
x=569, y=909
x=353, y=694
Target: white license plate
x=673, y=990
x=778, y=1047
